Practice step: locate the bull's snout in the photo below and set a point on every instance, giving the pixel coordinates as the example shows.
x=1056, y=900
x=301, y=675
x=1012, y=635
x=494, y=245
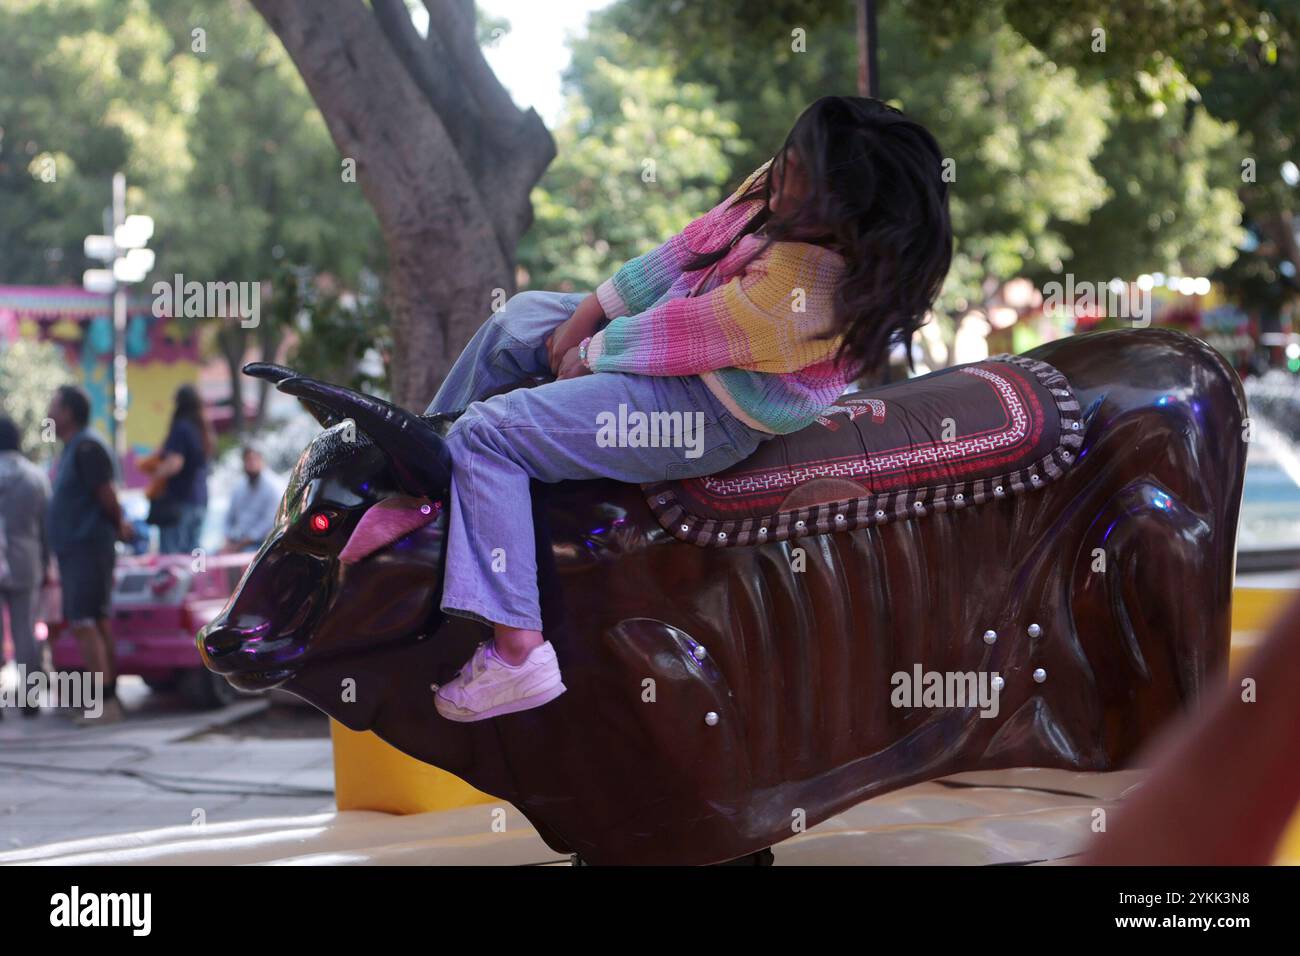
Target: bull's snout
x=239, y=654
x=261, y=636
x=219, y=644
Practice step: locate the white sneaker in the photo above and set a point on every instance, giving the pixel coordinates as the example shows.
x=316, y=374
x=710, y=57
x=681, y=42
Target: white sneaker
x=487, y=686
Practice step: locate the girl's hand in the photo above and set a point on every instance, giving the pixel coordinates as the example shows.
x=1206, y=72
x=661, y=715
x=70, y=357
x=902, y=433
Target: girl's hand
x=573, y=330
x=571, y=365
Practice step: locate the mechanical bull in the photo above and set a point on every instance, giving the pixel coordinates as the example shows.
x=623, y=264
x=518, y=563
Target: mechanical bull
x=1062, y=522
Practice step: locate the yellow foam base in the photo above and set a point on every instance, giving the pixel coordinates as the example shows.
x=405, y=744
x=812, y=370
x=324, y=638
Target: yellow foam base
x=1288, y=851
x=372, y=775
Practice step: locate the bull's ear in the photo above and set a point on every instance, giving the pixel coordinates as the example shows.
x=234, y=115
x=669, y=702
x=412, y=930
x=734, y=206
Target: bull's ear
x=416, y=452
x=275, y=374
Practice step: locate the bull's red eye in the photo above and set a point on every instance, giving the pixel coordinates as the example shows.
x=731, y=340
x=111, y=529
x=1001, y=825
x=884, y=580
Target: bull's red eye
x=320, y=522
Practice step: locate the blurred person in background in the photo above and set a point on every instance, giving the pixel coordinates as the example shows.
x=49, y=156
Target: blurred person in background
x=179, y=490
x=24, y=551
x=252, y=505
x=85, y=520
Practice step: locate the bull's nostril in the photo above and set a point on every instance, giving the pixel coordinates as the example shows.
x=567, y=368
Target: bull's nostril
x=222, y=641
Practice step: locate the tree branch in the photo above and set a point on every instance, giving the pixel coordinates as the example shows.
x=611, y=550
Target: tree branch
x=504, y=149
x=454, y=22
x=518, y=136
x=444, y=254
x=442, y=154
x=432, y=74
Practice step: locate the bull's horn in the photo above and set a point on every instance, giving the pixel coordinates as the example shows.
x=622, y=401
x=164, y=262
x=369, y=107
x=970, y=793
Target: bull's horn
x=275, y=374
x=417, y=453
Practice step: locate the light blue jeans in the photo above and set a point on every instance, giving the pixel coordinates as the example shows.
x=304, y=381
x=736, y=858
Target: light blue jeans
x=557, y=431
x=183, y=536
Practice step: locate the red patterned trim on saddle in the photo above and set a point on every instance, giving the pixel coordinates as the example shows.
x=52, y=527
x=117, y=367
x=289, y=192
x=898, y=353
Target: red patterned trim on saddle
x=944, y=441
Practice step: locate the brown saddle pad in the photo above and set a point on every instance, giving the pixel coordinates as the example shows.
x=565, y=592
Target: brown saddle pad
x=951, y=439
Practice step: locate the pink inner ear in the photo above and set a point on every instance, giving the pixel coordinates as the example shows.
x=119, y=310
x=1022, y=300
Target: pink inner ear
x=391, y=519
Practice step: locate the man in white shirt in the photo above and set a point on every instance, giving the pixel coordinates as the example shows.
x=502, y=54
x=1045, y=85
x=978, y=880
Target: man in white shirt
x=24, y=552
x=252, y=505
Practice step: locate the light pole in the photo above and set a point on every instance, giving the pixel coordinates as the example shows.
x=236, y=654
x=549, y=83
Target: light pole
x=131, y=262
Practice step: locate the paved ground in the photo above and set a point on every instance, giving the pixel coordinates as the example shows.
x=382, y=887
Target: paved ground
x=973, y=819
x=167, y=766
x=163, y=766
x=130, y=794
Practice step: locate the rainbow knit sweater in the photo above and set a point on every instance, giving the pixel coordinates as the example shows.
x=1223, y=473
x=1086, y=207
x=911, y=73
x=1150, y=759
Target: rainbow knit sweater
x=754, y=327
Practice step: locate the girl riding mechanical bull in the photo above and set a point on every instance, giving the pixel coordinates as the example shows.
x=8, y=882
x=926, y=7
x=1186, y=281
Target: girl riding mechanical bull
x=751, y=321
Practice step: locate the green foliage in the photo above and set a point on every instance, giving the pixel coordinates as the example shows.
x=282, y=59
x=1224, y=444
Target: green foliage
x=1168, y=64
x=1171, y=199
x=85, y=85
x=1066, y=158
x=744, y=52
x=1021, y=133
x=640, y=155
x=265, y=185
x=29, y=374
x=1147, y=51
x=1054, y=172
x=202, y=109
x=335, y=332
x=221, y=145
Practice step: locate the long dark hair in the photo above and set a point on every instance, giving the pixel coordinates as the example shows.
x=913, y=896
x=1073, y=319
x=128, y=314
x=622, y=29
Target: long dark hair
x=876, y=195
x=189, y=408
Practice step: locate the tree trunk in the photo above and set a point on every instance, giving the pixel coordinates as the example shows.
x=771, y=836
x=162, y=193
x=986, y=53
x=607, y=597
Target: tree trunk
x=231, y=342
x=443, y=156
x=269, y=337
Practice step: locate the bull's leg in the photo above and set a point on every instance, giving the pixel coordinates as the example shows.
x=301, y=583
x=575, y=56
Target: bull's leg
x=1160, y=480
x=1142, y=583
